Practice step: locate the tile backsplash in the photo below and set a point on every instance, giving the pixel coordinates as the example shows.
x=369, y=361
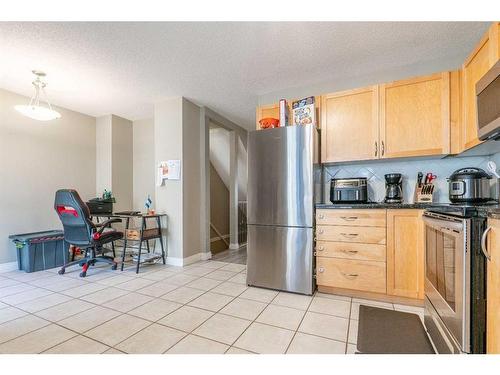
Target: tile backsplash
x=375, y=171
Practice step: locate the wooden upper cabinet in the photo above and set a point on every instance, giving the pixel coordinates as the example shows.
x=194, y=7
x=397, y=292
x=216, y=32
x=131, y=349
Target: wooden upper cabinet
x=405, y=253
x=350, y=125
x=482, y=58
x=415, y=116
x=265, y=111
x=493, y=288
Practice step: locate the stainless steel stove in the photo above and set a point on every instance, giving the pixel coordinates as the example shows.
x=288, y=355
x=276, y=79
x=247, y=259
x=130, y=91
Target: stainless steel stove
x=455, y=277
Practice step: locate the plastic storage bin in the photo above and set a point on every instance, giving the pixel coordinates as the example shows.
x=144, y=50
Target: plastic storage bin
x=41, y=250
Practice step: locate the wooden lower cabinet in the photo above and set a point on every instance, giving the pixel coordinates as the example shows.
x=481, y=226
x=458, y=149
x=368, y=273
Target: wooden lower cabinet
x=361, y=275
x=405, y=253
x=343, y=233
x=352, y=217
x=346, y=250
x=385, y=256
x=493, y=288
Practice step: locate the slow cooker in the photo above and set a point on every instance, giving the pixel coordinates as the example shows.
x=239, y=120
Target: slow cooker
x=469, y=185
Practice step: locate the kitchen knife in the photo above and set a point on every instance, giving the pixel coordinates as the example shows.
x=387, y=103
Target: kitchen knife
x=420, y=175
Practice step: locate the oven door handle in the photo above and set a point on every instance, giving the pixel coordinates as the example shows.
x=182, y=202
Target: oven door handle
x=483, y=243
x=444, y=225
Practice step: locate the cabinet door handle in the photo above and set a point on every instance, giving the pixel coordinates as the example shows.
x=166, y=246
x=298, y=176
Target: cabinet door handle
x=349, y=235
x=376, y=148
x=483, y=243
x=383, y=148
x=350, y=275
x=321, y=216
x=320, y=231
x=349, y=218
x=320, y=248
x=349, y=251
x=321, y=269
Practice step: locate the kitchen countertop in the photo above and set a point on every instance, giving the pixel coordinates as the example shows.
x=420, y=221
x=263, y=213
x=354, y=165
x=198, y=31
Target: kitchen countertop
x=378, y=205
x=492, y=211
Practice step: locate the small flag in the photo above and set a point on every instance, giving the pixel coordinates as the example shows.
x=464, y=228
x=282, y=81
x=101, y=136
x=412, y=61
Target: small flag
x=148, y=202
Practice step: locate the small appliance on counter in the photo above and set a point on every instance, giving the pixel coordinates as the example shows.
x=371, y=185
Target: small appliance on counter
x=348, y=190
x=393, y=188
x=469, y=185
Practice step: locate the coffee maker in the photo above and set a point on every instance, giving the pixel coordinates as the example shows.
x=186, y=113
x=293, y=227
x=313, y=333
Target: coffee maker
x=393, y=188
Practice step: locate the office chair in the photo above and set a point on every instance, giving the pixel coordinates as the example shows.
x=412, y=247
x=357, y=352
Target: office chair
x=80, y=231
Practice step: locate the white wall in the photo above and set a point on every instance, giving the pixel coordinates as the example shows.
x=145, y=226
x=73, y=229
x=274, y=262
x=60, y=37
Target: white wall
x=192, y=183
x=104, y=155
x=219, y=157
x=144, y=163
x=36, y=159
x=177, y=135
x=114, y=161
x=168, y=145
x=122, y=163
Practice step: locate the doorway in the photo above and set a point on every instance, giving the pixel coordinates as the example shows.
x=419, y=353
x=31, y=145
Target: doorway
x=223, y=207
x=219, y=189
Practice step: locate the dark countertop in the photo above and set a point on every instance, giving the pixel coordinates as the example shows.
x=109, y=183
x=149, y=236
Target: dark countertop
x=378, y=205
x=492, y=211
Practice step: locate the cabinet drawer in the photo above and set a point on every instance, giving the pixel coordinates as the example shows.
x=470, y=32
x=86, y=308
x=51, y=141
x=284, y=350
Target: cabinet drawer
x=341, y=233
x=362, y=275
x=365, y=217
x=347, y=250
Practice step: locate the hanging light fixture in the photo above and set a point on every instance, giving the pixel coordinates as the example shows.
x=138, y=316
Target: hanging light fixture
x=34, y=110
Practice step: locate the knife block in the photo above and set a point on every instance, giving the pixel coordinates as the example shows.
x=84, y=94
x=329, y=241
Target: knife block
x=424, y=193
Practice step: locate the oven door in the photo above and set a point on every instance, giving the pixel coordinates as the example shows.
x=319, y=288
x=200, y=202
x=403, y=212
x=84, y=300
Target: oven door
x=447, y=275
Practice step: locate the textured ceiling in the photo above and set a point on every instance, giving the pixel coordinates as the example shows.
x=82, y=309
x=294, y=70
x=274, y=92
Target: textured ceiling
x=123, y=68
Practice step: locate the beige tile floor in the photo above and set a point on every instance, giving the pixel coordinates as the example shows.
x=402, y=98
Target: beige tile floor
x=201, y=308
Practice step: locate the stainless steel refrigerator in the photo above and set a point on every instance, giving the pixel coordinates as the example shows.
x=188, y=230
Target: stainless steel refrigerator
x=283, y=185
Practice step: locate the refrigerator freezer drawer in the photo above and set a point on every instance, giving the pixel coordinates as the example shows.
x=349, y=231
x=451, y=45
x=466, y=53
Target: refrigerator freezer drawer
x=280, y=258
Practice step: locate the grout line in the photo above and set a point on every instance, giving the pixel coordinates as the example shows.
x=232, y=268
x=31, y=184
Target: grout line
x=197, y=277
x=126, y=313
x=348, y=329
x=301, y=320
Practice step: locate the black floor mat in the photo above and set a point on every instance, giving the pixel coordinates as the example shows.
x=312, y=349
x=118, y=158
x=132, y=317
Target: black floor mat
x=383, y=331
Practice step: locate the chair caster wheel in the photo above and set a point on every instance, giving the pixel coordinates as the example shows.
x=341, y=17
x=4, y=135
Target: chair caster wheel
x=83, y=274
x=61, y=271
x=114, y=266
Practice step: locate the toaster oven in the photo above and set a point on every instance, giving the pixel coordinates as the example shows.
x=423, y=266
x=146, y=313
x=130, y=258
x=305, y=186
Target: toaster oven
x=348, y=190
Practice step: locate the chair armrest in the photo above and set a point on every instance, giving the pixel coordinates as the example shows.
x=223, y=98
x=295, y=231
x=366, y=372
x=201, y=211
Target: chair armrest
x=106, y=224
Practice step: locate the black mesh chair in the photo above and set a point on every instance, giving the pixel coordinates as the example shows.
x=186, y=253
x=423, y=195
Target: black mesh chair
x=80, y=231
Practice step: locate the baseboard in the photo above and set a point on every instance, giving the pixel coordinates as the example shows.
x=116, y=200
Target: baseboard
x=234, y=246
x=179, y=262
x=8, y=267
x=206, y=256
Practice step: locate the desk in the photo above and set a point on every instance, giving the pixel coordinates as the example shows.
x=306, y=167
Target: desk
x=145, y=233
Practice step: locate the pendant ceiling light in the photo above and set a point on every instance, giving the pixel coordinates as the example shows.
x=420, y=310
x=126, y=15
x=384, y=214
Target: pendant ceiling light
x=34, y=110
